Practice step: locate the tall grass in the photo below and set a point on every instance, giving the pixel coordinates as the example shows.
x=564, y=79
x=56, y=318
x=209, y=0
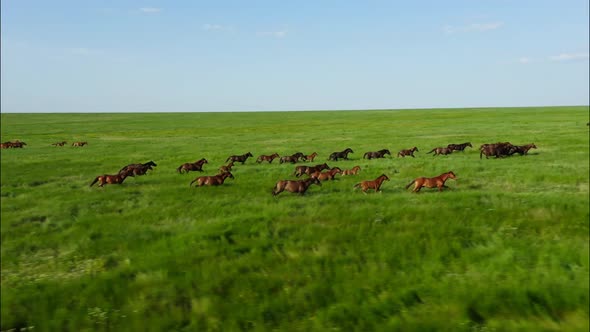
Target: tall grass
x=504, y=249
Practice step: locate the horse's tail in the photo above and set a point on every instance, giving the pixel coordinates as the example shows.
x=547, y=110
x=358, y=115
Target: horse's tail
x=409, y=184
x=179, y=169
x=365, y=155
x=95, y=181
x=358, y=185
x=431, y=151
x=193, y=181
x=480, y=153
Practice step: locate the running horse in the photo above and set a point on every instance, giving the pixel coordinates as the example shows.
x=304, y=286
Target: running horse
x=241, y=158
x=79, y=144
x=214, y=180
x=292, y=158
x=522, y=149
x=226, y=168
x=378, y=154
x=459, y=147
x=138, y=169
x=294, y=186
x=407, y=152
x=310, y=157
x=110, y=179
x=196, y=166
x=498, y=150
x=441, y=150
x=60, y=143
x=375, y=184
x=267, y=158
x=353, y=171
x=437, y=181
x=342, y=155
x=328, y=175
x=300, y=170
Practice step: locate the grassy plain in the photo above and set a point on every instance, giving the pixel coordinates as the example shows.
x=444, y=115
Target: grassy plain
x=505, y=249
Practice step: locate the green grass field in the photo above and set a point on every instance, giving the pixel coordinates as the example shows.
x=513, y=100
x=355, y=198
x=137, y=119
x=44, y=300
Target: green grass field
x=506, y=248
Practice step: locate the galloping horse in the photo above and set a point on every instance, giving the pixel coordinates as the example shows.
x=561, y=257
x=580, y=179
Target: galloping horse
x=196, y=166
x=342, y=155
x=522, y=149
x=353, y=171
x=375, y=184
x=294, y=186
x=139, y=169
x=214, y=180
x=13, y=144
x=300, y=170
x=267, y=158
x=226, y=168
x=79, y=143
x=459, y=147
x=110, y=179
x=310, y=157
x=437, y=181
x=495, y=149
x=241, y=158
x=60, y=143
x=292, y=158
x=328, y=175
x=441, y=150
x=378, y=154
x=407, y=152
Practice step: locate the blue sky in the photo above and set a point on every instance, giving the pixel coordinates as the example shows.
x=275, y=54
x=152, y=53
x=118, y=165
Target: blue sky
x=191, y=56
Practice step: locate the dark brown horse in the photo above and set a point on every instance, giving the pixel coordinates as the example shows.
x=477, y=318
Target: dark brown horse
x=300, y=170
x=110, y=179
x=407, y=152
x=294, y=186
x=310, y=157
x=226, y=168
x=342, y=154
x=522, y=149
x=13, y=145
x=437, y=181
x=375, y=184
x=378, y=154
x=292, y=158
x=459, y=147
x=141, y=168
x=497, y=150
x=441, y=150
x=79, y=143
x=267, y=158
x=214, y=180
x=328, y=175
x=242, y=159
x=196, y=166
x=60, y=143
x=353, y=171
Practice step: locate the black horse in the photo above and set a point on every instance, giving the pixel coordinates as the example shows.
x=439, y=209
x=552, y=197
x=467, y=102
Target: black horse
x=241, y=159
x=342, y=155
x=378, y=154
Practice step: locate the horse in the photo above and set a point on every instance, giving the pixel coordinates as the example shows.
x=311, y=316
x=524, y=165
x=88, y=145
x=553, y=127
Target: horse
x=310, y=157
x=300, y=170
x=196, y=166
x=375, y=184
x=214, y=180
x=342, y=155
x=495, y=149
x=60, y=143
x=407, y=152
x=441, y=150
x=378, y=154
x=241, y=158
x=353, y=171
x=145, y=166
x=294, y=186
x=110, y=179
x=521, y=149
x=459, y=147
x=292, y=158
x=79, y=143
x=267, y=158
x=328, y=175
x=226, y=168
x=437, y=181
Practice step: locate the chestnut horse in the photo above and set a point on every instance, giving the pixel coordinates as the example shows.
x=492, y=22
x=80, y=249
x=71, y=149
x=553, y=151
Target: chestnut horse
x=226, y=168
x=300, y=170
x=196, y=166
x=437, y=181
x=353, y=171
x=407, y=152
x=342, y=155
x=441, y=150
x=328, y=175
x=378, y=154
x=110, y=179
x=60, y=143
x=267, y=158
x=215, y=180
x=459, y=147
x=375, y=184
x=241, y=158
x=294, y=186
x=79, y=143
x=310, y=157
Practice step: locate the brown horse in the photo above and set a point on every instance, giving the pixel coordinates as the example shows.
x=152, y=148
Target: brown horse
x=407, y=152
x=110, y=179
x=437, y=181
x=300, y=170
x=353, y=171
x=60, y=143
x=79, y=143
x=375, y=184
x=226, y=168
x=267, y=158
x=141, y=168
x=214, y=180
x=342, y=154
x=522, y=149
x=196, y=166
x=459, y=147
x=294, y=186
x=310, y=157
x=328, y=175
x=441, y=150
x=292, y=158
x=378, y=154
x=498, y=150
x=241, y=158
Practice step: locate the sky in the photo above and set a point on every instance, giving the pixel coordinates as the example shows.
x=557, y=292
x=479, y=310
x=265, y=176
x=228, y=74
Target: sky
x=220, y=56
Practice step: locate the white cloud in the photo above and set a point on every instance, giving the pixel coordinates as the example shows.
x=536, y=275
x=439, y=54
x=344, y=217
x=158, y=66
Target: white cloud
x=474, y=27
x=216, y=27
x=524, y=60
x=275, y=34
x=569, y=57
x=150, y=10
